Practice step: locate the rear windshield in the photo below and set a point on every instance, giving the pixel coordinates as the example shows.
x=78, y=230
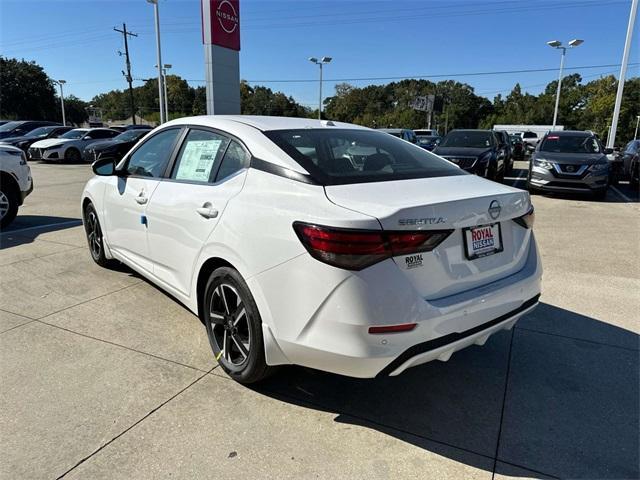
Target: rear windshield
x=570, y=144
x=529, y=135
x=342, y=156
x=468, y=139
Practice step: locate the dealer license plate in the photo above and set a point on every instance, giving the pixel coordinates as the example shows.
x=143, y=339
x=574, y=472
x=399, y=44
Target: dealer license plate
x=482, y=240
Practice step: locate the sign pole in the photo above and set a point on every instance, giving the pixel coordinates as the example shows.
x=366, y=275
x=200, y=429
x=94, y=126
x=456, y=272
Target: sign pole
x=221, y=39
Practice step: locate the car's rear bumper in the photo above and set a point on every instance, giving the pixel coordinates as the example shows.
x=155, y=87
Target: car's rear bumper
x=334, y=335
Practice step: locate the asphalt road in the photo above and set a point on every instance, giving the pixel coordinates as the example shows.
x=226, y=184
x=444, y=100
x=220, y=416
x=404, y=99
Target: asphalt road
x=102, y=375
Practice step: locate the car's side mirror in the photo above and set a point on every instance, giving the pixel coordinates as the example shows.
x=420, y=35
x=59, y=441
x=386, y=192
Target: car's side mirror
x=104, y=167
x=608, y=151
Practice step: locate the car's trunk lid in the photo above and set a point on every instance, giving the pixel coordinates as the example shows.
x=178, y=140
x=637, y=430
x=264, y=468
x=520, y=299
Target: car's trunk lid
x=443, y=203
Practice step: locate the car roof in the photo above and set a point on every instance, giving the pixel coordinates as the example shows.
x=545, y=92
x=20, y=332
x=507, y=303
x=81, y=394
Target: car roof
x=573, y=133
x=262, y=123
x=248, y=129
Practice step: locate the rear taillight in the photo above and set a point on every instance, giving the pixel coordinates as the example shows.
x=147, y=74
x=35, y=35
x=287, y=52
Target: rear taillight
x=527, y=219
x=358, y=249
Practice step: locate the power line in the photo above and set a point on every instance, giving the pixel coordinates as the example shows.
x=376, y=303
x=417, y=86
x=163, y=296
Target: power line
x=438, y=75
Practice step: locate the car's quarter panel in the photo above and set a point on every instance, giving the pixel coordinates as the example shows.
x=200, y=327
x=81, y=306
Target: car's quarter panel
x=177, y=232
x=256, y=232
x=125, y=203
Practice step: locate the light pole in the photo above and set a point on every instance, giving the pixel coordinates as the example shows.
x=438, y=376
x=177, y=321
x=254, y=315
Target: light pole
x=320, y=62
x=165, y=67
x=635, y=135
x=623, y=71
x=62, y=82
x=558, y=44
x=159, y=63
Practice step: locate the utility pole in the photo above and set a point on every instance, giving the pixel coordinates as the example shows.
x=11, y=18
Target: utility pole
x=126, y=34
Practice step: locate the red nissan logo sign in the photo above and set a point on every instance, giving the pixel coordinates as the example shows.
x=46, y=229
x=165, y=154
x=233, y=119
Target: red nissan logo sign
x=227, y=16
x=221, y=23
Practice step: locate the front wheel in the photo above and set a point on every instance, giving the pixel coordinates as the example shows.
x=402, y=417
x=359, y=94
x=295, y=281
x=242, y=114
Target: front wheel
x=72, y=156
x=234, y=326
x=94, y=236
x=8, y=204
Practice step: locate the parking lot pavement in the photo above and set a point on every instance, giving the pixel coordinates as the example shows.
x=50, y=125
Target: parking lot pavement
x=105, y=376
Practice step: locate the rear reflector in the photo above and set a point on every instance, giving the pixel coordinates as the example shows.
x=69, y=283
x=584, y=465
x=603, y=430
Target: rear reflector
x=403, y=327
x=358, y=249
x=527, y=220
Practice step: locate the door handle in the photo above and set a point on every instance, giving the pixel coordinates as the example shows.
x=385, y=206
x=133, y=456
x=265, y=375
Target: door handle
x=207, y=211
x=141, y=199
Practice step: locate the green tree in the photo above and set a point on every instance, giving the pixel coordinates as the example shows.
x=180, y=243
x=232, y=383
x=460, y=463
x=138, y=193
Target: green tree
x=74, y=110
x=26, y=92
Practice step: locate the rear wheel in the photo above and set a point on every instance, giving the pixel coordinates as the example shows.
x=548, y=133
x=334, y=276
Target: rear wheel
x=8, y=204
x=234, y=326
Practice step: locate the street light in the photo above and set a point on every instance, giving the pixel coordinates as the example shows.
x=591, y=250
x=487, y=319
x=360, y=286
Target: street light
x=165, y=67
x=558, y=44
x=62, y=82
x=320, y=62
x=159, y=62
x=635, y=135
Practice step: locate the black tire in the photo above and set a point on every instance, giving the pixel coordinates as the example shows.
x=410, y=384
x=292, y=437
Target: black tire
x=73, y=155
x=94, y=236
x=8, y=203
x=634, y=180
x=600, y=194
x=234, y=326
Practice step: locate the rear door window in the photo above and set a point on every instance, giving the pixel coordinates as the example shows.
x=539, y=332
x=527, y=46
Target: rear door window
x=234, y=160
x=199, y=156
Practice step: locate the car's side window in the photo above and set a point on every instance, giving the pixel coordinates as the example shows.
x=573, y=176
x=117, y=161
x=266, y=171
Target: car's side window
x=150, y=159
x=235, y=159
x=199, y=156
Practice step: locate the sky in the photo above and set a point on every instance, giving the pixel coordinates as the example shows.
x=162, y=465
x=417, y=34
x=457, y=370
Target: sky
x=367, y=39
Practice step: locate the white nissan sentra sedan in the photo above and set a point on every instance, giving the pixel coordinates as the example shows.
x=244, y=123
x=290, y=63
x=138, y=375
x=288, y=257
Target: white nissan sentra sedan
x=316, y=243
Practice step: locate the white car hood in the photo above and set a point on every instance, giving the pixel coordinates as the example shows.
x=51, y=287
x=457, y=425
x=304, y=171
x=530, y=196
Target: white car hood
x=49, y=142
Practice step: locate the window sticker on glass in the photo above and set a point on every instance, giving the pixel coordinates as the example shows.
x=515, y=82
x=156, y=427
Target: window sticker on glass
x=197, y=160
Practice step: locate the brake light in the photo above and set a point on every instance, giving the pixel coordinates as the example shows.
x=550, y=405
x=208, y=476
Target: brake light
x=527, y=220
x=358, y=249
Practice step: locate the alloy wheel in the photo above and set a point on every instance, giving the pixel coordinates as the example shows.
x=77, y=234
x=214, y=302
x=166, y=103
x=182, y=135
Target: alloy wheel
x=230, y=325
x=4, y=204
x=94, y=235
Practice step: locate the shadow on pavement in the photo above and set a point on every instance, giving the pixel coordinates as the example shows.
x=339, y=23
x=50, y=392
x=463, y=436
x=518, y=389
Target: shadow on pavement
x=26, y=228
x=570, y=406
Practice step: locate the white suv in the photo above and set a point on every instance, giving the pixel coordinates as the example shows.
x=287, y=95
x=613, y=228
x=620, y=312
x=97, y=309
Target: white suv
x=15, y=182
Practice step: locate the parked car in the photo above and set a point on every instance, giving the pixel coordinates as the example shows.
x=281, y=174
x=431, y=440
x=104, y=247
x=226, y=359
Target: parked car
x=517, y=147
x=15, y=182
x=403, y=133
x=291, y=254
x=124, y=128
x=69, y=146
x=427, y=131
x=626, y=164
x=530, y=140
x=428, y=142
x=41, y=133
x=22, y=127
x=569, y=161
x=476, y=151
x=505, y=143
x=115, y=147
